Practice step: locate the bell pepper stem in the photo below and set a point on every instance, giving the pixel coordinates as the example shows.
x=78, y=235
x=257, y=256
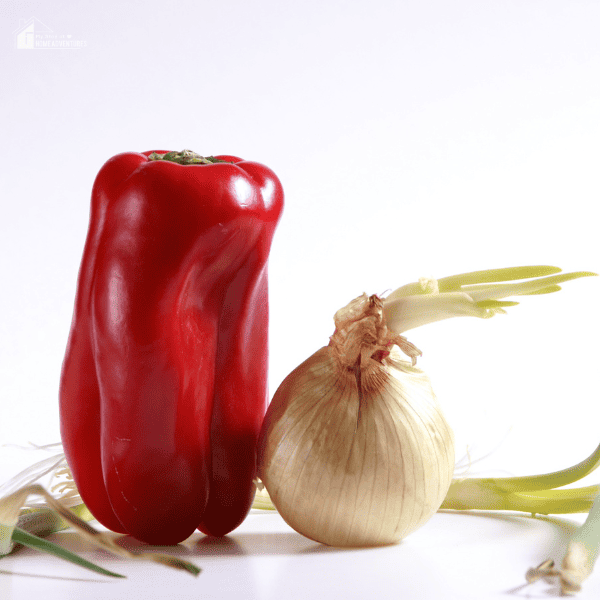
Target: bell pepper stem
x=185, y=157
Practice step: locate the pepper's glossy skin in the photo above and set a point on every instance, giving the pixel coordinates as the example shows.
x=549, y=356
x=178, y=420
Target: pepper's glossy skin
x=164, y=382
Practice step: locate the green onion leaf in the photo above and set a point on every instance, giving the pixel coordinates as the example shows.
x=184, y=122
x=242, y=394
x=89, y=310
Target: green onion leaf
x=24, y=538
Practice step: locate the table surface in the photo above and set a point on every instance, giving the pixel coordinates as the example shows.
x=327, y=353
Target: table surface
x=455, y=555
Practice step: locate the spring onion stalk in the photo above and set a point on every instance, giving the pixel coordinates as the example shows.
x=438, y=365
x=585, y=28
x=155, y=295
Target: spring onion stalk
x=474, y=294
x=10, y=509
x=532, y=494
x=22, y=537
x=35, y=517
x=582, y=552
x=580, y=557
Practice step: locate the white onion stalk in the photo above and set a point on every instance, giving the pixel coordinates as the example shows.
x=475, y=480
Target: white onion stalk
x=354, y=449
x=581, y=554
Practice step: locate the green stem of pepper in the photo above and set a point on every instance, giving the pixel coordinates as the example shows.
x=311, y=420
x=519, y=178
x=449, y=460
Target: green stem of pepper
x=185, y=157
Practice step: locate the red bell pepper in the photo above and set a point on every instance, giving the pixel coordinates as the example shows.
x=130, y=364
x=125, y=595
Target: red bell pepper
x=164, y=382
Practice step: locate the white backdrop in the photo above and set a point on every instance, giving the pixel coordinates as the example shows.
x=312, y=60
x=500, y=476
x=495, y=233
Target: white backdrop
x=412, y=138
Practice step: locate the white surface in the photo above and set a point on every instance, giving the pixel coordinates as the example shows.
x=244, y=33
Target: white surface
x=412, y=138
x=454, y=556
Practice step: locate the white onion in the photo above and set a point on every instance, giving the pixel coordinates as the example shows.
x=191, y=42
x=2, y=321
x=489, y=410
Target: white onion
x=354, y=449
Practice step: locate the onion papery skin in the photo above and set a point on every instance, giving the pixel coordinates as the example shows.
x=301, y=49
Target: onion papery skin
x=347, y=479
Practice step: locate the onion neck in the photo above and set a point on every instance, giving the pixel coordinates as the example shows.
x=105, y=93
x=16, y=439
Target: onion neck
x=362, y=339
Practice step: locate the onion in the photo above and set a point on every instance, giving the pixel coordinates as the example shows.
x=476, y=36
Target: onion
x=354, y=449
